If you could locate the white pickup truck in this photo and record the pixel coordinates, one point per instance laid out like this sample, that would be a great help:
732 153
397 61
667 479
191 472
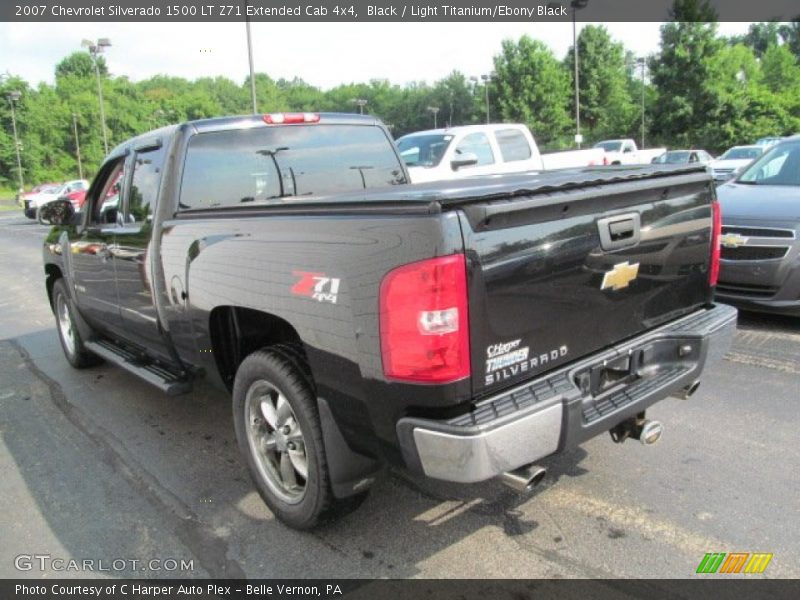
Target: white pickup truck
473 150
625 152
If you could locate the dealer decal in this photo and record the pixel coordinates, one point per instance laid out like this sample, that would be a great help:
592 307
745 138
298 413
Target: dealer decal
318 286
507 360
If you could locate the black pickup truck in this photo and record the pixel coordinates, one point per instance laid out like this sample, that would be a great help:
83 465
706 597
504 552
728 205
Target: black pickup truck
464 330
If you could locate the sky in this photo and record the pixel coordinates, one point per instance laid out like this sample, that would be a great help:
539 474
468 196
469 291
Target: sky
322 54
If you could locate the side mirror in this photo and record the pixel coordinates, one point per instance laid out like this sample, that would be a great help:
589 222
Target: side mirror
465 159
58 212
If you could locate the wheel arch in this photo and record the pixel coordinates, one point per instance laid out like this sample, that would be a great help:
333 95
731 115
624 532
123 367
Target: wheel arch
236 332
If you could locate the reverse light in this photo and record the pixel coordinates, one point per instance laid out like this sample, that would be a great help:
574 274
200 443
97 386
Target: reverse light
424 325
716 232
290 118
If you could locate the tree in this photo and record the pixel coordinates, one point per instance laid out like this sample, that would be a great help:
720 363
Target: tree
605 101
81 65
759 37
532 87
681 73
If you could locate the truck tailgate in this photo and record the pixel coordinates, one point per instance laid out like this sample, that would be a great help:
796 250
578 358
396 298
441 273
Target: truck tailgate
558 273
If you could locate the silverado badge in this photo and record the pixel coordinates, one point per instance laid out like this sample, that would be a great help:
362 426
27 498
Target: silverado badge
620 276
732 240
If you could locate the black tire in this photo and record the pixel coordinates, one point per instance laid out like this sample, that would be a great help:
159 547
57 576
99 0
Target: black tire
71 343
272 373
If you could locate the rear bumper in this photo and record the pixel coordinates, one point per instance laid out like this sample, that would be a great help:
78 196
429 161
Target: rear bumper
558 411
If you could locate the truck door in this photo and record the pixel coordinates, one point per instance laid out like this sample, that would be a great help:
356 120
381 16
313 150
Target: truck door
131 252
90 260
476 148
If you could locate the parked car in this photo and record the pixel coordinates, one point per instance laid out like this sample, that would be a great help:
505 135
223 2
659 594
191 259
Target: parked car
457 328
472 150
34 202
625 152
35 190
680 157
733 160
769 141
760 267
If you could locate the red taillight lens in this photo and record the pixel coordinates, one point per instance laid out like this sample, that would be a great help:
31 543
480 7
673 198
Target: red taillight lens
424 323
716 231
290 118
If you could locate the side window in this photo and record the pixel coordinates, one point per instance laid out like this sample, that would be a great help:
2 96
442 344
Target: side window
627 148
147 168
513 145
105 207
477 144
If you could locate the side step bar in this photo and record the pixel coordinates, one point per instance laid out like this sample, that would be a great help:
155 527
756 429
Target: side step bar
167 381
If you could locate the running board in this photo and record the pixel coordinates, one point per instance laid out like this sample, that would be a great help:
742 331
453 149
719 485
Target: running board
167 381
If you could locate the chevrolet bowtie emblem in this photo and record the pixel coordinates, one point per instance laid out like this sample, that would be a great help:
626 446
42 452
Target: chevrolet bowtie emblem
620 276
732 240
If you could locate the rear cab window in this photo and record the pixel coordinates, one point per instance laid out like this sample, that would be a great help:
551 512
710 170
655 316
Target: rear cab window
513 145
269 165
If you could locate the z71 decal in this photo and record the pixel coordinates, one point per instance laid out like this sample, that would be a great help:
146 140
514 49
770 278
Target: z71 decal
318 286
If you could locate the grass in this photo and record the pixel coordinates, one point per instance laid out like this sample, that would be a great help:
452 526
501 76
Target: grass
7 199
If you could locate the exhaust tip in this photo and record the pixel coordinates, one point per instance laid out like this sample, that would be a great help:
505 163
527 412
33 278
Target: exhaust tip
524 479
651 432
688 391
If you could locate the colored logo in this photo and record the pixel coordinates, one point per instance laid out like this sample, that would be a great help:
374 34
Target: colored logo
733 240
620 276
734 562
318 286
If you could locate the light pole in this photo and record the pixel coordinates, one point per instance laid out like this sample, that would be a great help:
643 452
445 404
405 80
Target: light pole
641 61
77 145
13 98
486 78
435 111
361 103
250 58
576 6
95 49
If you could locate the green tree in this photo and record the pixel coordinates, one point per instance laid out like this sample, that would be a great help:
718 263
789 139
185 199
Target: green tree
681 73
532 87
80 64
605 100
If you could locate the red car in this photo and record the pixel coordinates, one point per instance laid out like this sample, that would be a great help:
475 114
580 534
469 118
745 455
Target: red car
78 199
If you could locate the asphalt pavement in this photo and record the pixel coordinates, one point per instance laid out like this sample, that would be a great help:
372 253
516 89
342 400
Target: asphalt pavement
97 465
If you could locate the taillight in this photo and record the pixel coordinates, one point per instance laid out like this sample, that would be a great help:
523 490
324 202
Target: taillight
290 118
716 231
424 325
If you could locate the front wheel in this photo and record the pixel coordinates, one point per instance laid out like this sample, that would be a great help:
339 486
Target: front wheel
75 352
279 432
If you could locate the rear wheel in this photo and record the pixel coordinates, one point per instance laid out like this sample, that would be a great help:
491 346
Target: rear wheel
75 352
279 432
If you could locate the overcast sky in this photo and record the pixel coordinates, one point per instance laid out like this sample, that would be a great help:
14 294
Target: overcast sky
322 54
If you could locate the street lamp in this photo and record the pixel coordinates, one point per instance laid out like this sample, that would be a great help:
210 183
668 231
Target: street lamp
77 145
361 103
576 6
250 58
641 62
94 49
435 111
486 78
13 97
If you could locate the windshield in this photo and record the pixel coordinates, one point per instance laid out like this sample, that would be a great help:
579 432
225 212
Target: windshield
609 146
780 165
741 154
423 150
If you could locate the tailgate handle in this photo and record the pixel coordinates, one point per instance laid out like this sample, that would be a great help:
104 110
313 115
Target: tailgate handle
619 231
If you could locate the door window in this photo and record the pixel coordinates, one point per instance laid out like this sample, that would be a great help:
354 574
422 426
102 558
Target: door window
477 144
105 209
142 198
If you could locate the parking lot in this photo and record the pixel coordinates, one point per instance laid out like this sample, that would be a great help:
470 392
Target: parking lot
98 465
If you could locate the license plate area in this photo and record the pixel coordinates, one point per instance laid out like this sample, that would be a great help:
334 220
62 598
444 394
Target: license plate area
611 374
